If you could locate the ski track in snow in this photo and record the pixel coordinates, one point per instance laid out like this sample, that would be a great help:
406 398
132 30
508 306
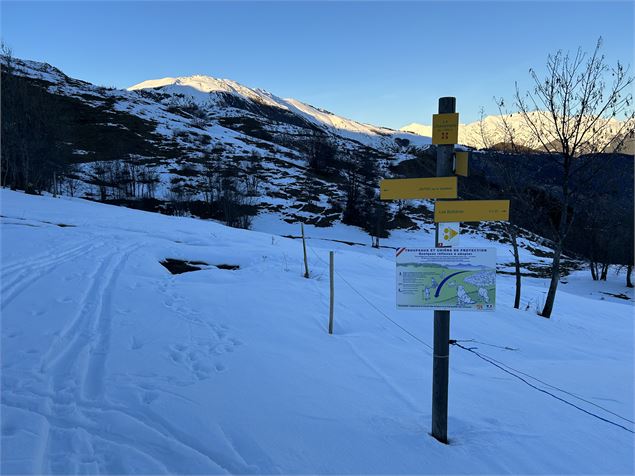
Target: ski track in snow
74 364
28 272
78 415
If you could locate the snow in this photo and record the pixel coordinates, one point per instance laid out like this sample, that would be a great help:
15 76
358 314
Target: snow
199 87
112 365
492 130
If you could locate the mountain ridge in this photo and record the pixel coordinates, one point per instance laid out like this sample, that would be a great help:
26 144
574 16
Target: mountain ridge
491 131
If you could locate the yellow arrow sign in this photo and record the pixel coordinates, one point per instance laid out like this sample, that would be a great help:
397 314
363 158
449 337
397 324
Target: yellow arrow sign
402 189
449 233
471 210
445 128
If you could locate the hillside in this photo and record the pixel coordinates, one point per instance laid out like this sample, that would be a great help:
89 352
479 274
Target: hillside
176 141
120 367
215 149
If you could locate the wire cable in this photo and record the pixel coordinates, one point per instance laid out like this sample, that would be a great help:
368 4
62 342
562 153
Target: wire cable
538 388
485 343
559 389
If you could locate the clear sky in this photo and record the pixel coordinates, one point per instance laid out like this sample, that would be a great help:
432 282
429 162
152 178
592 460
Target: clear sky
384 63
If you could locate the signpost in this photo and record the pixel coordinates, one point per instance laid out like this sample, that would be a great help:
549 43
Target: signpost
400 189
446 129
471 210
445 277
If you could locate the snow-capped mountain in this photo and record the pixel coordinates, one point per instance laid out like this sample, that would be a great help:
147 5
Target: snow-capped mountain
492 130
171 129
208 92
213 148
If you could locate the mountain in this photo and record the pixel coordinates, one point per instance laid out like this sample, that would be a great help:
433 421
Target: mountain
215 149
210 93
163 136
491 132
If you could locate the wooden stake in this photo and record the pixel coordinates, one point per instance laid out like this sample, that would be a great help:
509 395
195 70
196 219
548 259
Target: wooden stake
332 270
306 263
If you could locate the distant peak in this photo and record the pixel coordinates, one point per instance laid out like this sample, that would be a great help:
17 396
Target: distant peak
199 82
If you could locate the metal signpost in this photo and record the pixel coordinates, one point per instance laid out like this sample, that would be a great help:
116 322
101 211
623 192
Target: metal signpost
445 133
445 277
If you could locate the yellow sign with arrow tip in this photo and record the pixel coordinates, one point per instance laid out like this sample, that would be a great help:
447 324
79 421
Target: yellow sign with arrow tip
434 187
471 210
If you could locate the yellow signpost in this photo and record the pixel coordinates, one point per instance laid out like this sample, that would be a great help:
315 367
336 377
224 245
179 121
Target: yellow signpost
460 164
445 133
471 210
445 128
402 189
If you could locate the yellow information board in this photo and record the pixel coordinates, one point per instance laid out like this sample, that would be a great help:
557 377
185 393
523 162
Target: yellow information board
435 187
445 128
461 160
471 210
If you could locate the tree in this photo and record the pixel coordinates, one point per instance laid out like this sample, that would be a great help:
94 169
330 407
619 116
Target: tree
321 152
571 111
511 183
377 219
30 158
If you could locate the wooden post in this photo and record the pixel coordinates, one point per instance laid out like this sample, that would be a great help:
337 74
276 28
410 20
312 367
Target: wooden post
440 363
331 272
306 263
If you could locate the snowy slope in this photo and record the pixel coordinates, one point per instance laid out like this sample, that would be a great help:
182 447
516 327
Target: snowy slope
199 88
206 84
112 365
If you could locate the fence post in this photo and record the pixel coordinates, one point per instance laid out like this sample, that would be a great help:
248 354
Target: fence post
332 271
306 263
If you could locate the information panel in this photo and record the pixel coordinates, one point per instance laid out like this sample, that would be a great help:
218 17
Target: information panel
446 278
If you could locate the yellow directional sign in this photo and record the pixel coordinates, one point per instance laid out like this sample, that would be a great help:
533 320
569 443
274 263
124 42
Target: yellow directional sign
401 189
471 210
461 160
445 128
449 233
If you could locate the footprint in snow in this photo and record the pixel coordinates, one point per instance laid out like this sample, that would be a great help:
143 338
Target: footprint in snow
201 357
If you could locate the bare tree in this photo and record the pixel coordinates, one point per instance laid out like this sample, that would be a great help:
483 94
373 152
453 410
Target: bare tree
572 111
72 178
511 186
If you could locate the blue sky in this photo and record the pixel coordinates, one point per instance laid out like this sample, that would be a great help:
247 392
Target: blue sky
377 62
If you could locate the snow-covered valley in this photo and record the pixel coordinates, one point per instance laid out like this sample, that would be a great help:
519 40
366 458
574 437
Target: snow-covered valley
110 364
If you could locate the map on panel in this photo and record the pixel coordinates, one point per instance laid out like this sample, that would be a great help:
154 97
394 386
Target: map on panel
446 278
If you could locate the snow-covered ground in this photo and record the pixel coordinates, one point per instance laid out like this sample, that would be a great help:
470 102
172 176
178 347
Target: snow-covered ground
111 364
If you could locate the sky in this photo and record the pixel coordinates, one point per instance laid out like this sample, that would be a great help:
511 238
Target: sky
383 63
